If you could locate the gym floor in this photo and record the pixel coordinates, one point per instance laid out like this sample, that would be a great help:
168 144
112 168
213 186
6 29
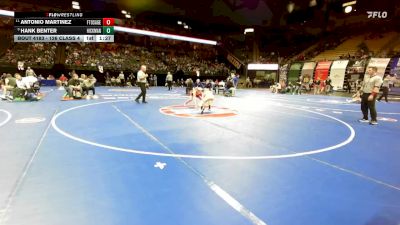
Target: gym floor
256 158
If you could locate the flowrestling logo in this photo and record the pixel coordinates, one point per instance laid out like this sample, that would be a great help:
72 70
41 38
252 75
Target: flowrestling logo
377 14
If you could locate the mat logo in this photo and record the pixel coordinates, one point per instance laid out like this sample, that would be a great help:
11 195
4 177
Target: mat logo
186 111
31 120
387 119
377 14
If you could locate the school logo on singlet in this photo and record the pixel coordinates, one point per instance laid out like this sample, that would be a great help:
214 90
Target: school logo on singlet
189 111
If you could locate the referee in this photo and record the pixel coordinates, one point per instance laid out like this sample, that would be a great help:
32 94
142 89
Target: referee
141 82
370 91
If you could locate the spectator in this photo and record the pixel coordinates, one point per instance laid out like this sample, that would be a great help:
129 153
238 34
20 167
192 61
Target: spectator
121 77
74 88
385 88
89 85
63 79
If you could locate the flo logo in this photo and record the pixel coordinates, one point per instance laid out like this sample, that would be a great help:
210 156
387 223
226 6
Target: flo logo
377 14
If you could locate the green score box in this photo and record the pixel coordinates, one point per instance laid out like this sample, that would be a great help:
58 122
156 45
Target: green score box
108 30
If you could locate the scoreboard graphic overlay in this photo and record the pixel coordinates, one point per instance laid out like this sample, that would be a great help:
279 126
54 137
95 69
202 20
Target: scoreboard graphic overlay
63 27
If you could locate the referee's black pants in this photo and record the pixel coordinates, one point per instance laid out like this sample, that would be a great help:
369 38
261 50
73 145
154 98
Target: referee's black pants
143 91
368 105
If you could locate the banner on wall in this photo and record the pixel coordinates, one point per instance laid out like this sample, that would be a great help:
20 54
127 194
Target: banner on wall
380 63
308 69
234 61
356 69
395 67
322 70
338 73
283 72
294 72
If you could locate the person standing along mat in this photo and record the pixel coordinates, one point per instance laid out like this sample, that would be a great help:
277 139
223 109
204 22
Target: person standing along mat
141 81
370 91
169 80
385 88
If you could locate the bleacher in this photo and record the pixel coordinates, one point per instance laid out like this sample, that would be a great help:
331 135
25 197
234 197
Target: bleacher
351 46
376 45
347 47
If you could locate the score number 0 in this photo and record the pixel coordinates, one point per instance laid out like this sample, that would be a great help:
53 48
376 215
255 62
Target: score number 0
108 21
108 24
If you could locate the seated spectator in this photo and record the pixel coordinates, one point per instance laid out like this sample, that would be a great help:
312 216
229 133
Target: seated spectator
229 88
316 85
276 88
208 84
297 87
64 80
74 88
198 84
290 87
322 86
328 87
82 78
221 86
118 81
2 79
189 85
89 84
306 82
108 81
248 83
29 72
10 84
113 81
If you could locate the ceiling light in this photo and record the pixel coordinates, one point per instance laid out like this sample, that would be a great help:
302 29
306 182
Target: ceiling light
290 7
6 13
313 3
349 3
123 12
186 27
263 66
128 15
248 30
76 7
180 22
163 35
348 9
75 3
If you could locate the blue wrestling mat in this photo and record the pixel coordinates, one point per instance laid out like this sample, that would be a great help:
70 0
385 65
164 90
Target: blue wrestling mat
256 158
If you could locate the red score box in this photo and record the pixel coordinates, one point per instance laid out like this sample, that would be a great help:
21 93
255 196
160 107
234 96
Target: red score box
108 21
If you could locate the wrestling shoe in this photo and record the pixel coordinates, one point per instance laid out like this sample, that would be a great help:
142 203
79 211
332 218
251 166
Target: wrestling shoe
373 123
